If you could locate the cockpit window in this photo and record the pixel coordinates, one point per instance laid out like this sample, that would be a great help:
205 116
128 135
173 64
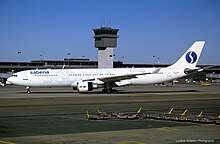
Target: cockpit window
14 75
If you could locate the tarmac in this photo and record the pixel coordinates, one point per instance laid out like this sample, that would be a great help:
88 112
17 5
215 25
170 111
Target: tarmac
57 115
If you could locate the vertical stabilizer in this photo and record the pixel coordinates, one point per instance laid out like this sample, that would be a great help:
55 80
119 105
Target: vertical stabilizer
191 57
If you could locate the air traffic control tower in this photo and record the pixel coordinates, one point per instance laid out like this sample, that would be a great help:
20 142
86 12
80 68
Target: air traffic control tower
105 41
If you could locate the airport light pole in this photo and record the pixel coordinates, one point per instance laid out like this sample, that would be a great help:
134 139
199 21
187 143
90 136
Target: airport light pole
19 53
68 58
122 58
158 60
153 62
41 58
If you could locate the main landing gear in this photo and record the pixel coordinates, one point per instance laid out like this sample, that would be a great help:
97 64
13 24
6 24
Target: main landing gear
28 90
109 91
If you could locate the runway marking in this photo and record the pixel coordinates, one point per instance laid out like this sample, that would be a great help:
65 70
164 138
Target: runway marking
168 129
4 142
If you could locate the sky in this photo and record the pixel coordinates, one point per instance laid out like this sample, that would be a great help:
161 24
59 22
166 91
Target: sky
50 29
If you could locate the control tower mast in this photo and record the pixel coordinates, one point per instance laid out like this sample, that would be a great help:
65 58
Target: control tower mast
105 41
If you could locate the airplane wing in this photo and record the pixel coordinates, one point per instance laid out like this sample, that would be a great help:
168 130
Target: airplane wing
121 77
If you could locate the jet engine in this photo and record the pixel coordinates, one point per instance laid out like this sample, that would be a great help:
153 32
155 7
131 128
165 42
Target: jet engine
86 86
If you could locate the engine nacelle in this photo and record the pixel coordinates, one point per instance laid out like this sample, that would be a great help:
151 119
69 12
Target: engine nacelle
86 86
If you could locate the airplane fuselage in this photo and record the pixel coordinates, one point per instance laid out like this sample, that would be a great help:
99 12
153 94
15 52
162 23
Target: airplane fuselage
70 77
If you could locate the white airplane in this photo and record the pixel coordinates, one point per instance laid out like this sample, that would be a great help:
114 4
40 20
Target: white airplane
85 80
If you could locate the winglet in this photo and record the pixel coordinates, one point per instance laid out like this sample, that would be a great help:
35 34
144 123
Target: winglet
156 71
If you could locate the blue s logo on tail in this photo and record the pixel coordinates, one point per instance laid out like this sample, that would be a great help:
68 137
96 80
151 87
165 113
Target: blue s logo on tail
191 57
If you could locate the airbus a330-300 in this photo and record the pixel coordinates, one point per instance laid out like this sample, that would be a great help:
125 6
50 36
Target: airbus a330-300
85 80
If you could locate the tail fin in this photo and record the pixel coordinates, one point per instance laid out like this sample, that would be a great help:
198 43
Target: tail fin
191 56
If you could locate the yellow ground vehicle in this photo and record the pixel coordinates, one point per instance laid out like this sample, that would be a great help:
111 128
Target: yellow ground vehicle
205 83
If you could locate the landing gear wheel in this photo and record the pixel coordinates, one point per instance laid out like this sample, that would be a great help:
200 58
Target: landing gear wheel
28 90
104 90
115 91
109 91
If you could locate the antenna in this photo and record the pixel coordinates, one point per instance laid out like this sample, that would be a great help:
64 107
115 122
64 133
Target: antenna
105 23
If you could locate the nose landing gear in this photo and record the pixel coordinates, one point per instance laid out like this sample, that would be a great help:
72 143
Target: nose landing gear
28 90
